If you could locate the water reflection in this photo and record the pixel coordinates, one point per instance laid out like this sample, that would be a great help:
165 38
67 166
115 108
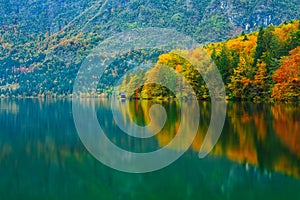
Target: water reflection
42 156
264 136
251 137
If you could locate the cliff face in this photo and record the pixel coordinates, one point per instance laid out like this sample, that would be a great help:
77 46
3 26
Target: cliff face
206 20
238 15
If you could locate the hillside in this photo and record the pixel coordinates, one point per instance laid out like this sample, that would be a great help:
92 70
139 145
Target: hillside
205 20
43 42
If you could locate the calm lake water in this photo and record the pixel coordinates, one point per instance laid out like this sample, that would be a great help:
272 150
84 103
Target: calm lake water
42 157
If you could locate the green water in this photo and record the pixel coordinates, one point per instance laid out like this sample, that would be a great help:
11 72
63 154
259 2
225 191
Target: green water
42 157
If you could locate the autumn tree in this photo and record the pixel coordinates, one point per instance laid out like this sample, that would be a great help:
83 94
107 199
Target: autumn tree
240 81
260 84
287 78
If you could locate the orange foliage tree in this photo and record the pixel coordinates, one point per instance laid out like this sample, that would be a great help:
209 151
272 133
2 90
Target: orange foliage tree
287 78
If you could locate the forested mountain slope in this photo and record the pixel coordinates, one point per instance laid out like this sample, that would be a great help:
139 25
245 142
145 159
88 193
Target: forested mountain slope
43 42
206 20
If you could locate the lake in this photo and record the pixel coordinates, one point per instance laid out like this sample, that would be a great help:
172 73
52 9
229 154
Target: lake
42 156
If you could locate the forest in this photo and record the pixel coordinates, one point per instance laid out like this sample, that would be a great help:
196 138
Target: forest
262 66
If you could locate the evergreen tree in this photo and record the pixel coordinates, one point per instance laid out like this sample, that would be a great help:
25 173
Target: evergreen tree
259 47
223 62
245 36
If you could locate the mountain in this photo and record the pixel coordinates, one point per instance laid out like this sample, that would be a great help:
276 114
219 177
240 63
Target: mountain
206 20
43 42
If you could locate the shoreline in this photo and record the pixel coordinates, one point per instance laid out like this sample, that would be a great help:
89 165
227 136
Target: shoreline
162 99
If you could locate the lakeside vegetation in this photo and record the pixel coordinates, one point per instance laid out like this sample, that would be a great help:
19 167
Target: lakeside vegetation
260 66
